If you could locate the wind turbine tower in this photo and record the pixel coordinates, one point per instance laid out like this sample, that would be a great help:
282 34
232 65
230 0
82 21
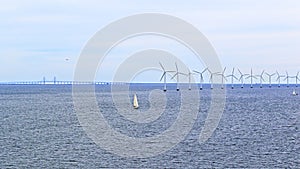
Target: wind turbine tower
164 76
251 76
232 77
201 77
270 78
242 78
54 80
297 78
261 78
189 76
223 77
278 78
287 79
211 78
177 76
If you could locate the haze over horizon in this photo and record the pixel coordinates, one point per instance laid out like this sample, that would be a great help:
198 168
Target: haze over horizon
44 38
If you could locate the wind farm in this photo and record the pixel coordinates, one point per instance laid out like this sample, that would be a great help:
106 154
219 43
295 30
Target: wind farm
206 77
273 78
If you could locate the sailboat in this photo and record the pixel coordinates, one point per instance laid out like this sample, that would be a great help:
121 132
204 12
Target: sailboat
295 93
135 102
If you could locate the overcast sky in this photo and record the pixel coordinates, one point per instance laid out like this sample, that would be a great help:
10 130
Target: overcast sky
36 37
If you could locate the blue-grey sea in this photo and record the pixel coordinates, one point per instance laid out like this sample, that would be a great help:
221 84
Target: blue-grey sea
259 128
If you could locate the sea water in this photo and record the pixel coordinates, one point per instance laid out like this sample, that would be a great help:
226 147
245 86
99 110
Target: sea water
259 128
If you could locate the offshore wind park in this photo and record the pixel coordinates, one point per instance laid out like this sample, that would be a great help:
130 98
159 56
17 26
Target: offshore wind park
232 79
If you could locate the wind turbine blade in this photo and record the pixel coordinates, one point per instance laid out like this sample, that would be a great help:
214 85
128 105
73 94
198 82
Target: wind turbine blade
196 71
209 71
176 74
162 66
224 70
176 66
211 77
204 70
240 72
164 74
232 71
185 74
224 78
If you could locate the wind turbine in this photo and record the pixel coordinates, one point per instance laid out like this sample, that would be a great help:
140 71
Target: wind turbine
223 77
201 76
232 77
242 78
278 78
54 80
261 78
211 78
189 74
177 76
297 78
270 78
251 76
164 75
287 79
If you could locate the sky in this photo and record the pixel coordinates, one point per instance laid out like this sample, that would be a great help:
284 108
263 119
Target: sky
36 37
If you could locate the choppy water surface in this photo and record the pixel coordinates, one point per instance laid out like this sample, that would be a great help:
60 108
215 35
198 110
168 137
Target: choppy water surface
40 129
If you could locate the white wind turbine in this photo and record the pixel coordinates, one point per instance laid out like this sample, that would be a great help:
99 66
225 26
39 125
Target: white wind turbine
201 77
223 77
177 76
297 78
211 78
164 76
242 78
189 74
232 78
261 78
287 79
270 78
279 77
251 76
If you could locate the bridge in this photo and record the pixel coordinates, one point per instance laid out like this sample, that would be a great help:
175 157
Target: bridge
60 83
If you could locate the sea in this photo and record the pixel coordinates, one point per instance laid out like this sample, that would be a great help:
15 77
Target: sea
259 128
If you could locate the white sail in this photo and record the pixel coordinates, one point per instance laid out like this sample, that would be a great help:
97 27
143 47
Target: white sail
135 102
295 93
